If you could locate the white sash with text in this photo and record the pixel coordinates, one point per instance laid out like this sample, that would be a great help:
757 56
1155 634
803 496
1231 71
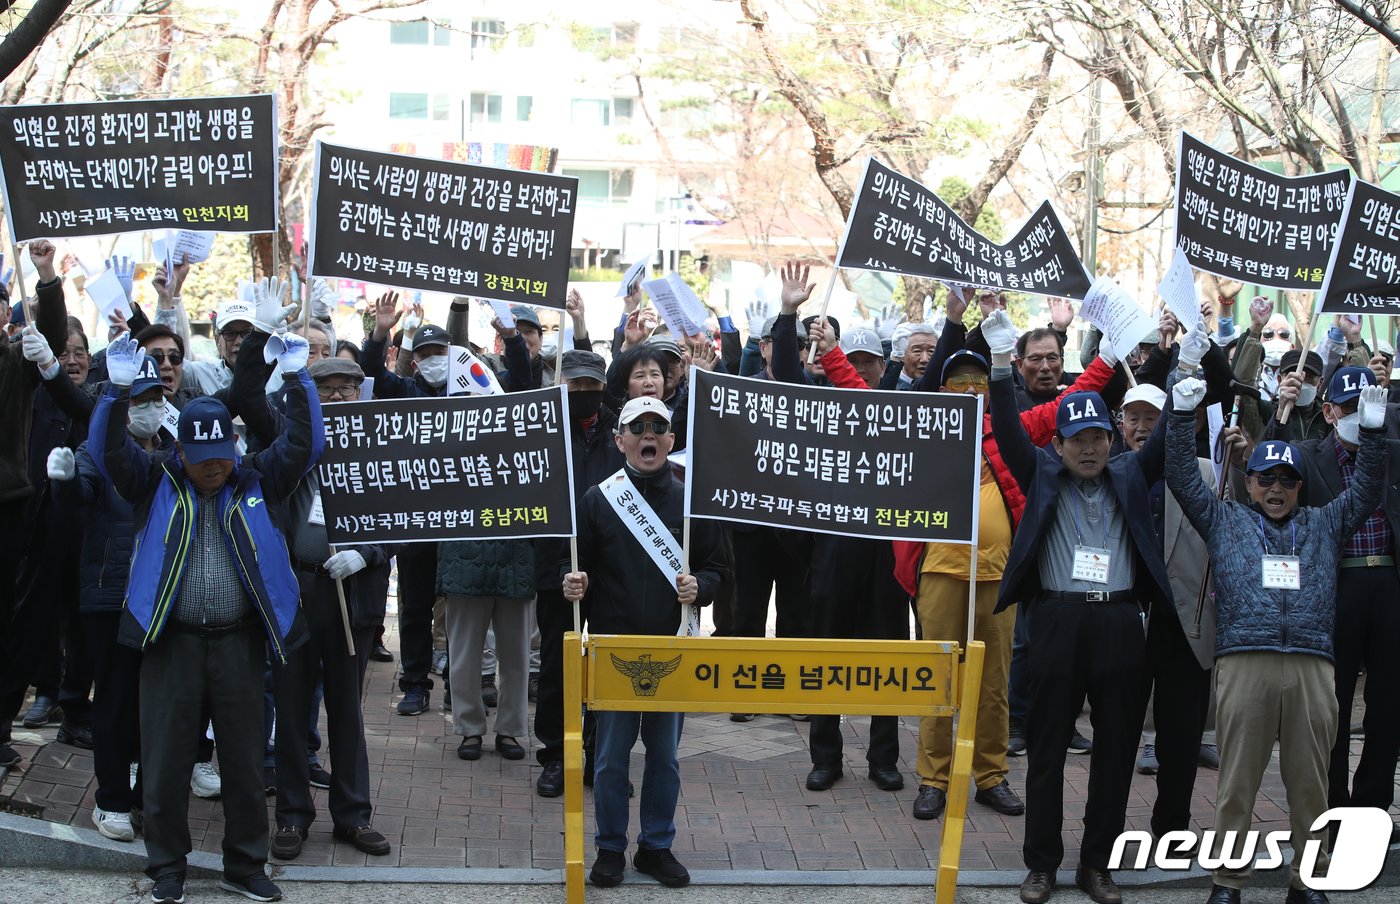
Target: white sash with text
649 531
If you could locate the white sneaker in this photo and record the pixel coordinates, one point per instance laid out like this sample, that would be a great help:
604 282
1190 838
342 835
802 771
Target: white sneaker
205 781
116 826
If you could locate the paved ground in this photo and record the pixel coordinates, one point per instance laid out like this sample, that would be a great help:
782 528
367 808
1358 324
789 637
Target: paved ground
743 805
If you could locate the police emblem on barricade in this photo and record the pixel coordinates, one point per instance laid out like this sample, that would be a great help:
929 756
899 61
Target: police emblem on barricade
646 673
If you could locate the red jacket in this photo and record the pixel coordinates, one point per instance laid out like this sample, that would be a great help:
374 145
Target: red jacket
1039 423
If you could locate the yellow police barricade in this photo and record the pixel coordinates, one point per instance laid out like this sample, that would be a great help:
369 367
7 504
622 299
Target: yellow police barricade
775 675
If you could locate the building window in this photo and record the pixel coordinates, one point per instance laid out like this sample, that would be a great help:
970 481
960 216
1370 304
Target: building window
442 107
442 33
590 112
524 106
622 111
408 32
603 188
408 106
486 108
624 34
487 36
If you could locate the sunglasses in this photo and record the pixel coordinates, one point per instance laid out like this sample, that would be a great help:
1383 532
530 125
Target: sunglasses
1268 480
160 356
659 428
967 381
1282 334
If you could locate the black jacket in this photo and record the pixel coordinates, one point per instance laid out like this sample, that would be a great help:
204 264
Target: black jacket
1322 479
1038 473
594 461
627 593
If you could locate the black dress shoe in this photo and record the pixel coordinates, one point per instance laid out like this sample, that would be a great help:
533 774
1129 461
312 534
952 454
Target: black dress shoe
1219 894
551 780
1098 885
1304 896
43 711
1002 799
509 748
821 778
79 736
1036 887
364 838
608 868
887 778
380 653
930 802
470 748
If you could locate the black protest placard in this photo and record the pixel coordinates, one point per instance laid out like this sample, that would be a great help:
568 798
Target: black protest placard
460 468
863 463
1244 223
416 223
899 226
1363 275
206 163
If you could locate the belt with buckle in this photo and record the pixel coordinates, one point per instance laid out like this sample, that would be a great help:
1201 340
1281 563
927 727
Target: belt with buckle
1090 596
214 630
313 567
1368 562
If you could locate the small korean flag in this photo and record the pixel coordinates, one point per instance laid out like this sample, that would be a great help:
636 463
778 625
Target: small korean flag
469 375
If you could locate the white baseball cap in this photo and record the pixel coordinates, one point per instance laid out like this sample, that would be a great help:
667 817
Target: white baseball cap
231 311
640 406
1145 392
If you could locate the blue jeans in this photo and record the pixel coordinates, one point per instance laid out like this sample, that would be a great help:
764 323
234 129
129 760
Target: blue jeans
661 778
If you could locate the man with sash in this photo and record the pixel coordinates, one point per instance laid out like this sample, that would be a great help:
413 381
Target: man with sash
630 568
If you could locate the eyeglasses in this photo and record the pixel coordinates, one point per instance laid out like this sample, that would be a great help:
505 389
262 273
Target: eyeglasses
967 381
160 356
659 428
235 335
344 391
142 406
1268 480
1281 333
1037 360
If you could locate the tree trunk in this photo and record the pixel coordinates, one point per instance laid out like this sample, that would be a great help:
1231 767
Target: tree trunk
30 33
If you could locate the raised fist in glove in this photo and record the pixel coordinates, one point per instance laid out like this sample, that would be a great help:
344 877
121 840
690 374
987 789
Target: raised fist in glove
36 349
344 563
1194 346
289 350
124 359
61 465
999 333
1188 393
890 316
1372 407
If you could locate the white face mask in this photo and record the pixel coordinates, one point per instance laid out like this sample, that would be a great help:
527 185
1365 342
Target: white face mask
1307 395
144 422
434 370
1349 429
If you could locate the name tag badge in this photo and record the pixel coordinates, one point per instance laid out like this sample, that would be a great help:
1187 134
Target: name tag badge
1281 573
317 514
1091 564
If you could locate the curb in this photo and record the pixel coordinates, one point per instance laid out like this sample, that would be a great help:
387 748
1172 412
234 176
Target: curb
34 843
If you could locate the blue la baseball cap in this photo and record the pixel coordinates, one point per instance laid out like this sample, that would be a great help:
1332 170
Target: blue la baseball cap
147 378
1080 411
206 431
1348 382
961 357
1274 453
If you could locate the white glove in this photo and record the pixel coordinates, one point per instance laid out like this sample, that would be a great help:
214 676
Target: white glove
411 323
36 349
1188 393
125 269
294 352
1106 352
1194 346
270 309
345 563
757 312
323 300
124 359
890 316
999 333
62 465
899 341
1372 407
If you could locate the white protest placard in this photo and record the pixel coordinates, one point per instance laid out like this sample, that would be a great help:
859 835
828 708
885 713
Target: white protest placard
634 274
107 293
468 375
503 314
1111 309
1178 290
171 421
676 303
194 247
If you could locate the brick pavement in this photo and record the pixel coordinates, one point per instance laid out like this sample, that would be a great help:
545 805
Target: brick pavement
743 804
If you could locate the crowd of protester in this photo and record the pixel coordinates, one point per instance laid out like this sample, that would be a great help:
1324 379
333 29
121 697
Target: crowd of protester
170 595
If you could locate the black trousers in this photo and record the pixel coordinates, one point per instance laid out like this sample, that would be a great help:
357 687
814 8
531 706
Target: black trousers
323 658
1367 625
417 590
185 676
1076 650
116 711
555 617
854 595
761 560
1180 702
23 628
